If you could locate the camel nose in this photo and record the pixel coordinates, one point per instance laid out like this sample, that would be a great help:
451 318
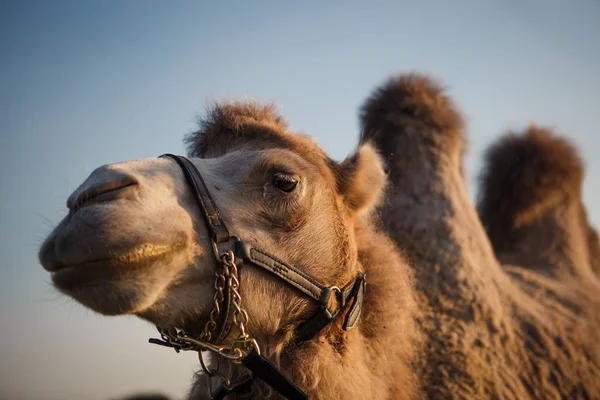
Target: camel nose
104 184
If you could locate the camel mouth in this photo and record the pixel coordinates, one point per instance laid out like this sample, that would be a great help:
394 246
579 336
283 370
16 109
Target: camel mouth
125 266
136 255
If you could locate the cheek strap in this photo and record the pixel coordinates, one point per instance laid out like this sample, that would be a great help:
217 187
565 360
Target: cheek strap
352 292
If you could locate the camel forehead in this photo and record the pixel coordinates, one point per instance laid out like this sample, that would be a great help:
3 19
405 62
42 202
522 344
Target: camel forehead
293 154
251 140
259 164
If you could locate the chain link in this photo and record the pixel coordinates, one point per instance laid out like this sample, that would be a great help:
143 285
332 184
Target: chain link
218 298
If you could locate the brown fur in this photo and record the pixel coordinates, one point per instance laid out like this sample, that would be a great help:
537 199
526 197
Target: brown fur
491 332
237 120
541 221
529 173
532 181
408 100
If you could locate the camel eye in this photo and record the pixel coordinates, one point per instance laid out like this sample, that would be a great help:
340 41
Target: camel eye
284 182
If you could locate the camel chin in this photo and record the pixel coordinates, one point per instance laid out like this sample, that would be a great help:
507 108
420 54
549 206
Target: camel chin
113 286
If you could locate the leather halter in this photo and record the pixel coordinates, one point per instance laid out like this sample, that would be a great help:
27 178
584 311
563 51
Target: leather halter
245 254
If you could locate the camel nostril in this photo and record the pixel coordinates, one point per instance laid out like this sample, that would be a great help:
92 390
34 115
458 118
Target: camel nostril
109 186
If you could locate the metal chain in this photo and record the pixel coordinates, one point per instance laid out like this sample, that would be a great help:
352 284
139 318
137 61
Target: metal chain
179 340
240 316
220 281
244 343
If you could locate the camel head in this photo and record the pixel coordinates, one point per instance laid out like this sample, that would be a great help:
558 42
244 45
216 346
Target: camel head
135 242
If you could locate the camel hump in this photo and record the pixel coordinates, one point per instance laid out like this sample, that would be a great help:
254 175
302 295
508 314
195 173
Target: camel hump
530 201
525 174
411 110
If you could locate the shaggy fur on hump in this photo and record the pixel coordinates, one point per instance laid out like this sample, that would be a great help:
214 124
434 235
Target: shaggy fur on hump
492 331
524 176
418 104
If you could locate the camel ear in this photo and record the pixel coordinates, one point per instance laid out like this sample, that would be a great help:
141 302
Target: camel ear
361 179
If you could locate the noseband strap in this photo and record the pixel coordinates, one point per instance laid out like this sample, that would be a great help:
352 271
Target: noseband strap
329 309
215 224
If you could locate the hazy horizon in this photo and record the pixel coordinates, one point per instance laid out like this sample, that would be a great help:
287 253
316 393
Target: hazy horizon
87 83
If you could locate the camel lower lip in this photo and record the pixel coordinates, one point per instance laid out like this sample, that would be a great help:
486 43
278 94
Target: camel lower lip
136 255
68 276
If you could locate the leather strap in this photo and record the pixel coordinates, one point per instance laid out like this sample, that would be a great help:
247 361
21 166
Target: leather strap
261 368
214 222
267 372
284 271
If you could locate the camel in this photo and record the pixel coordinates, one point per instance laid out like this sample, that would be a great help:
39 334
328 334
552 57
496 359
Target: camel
494 301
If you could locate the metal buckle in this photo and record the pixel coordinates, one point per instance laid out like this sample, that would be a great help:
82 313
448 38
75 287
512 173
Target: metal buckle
333 290
218 253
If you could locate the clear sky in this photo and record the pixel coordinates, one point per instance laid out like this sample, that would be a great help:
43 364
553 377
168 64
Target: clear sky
86 83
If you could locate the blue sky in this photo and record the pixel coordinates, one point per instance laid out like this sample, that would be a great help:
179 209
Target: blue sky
84 83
